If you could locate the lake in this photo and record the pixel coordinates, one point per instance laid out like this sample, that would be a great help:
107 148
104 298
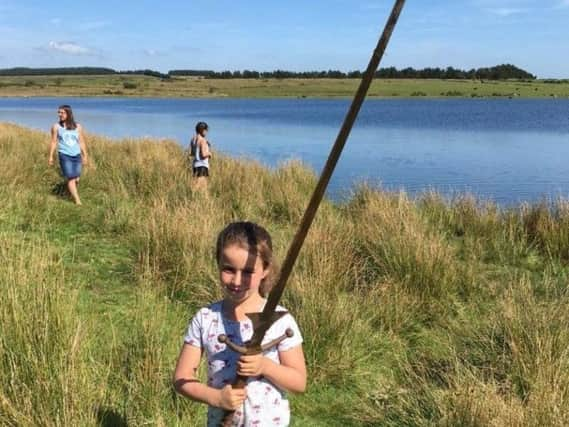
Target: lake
500 149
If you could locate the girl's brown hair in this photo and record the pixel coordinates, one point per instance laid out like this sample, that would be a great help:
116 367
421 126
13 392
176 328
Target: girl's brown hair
69 121
256 240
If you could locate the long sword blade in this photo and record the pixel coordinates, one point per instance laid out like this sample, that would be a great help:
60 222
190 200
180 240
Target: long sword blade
310 213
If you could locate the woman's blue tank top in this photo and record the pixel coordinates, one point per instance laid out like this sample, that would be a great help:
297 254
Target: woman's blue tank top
68 141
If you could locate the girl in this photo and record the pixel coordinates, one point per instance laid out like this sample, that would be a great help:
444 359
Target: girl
200 150
68 137
246 269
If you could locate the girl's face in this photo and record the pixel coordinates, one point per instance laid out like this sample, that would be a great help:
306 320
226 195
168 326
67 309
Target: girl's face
62 114
241 273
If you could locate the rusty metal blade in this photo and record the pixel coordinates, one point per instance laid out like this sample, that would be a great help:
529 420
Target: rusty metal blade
318 194
266 318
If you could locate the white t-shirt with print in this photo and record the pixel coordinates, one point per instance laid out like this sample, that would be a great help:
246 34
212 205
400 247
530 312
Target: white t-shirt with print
266 405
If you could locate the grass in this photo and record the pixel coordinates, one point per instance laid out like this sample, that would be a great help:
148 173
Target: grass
415 312
144 86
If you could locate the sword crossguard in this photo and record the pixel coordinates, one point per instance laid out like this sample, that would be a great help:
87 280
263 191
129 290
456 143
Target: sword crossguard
245 350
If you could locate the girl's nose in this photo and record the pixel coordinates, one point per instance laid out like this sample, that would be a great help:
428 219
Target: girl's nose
237 278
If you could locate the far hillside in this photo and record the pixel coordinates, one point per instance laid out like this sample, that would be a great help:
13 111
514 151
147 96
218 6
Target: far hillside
135 85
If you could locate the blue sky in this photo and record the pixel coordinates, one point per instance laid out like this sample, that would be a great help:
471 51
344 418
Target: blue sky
291 34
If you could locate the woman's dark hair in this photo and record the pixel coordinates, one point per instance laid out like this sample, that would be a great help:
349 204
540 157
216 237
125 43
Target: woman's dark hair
256 240
69 121
200 127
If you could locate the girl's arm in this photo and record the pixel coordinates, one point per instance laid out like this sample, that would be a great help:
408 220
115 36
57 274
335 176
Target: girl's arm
204 148
82 144
186 383
52 144
289 375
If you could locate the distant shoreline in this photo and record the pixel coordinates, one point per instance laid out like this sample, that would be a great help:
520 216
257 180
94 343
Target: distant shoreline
137 86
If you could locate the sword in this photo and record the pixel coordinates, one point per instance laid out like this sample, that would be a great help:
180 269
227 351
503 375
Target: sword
263 321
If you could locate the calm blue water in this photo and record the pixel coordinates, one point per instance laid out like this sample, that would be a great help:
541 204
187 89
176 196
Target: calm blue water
505 150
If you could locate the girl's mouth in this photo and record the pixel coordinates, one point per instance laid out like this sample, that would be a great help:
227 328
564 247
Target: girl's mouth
236 290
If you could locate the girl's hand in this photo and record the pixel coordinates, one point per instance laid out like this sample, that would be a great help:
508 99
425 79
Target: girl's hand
50 161
230 398
252 366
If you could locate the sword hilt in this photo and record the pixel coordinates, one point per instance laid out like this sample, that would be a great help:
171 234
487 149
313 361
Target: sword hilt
240 381
247 350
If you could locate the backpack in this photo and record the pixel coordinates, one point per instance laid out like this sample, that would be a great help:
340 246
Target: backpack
193 147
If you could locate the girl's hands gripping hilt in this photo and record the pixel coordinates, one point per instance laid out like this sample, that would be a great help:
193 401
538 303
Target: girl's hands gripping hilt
231 398
250 350
241 381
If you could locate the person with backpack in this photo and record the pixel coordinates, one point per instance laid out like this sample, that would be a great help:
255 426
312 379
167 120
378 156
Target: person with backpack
201 154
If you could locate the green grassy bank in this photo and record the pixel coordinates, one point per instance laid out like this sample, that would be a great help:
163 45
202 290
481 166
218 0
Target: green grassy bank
144 86
414 312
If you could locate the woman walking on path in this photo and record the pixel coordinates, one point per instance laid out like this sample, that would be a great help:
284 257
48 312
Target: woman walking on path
67 137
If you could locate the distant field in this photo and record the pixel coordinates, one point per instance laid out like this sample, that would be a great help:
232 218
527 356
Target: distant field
143 86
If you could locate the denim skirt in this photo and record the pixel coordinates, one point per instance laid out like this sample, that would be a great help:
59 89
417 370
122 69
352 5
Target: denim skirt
70 165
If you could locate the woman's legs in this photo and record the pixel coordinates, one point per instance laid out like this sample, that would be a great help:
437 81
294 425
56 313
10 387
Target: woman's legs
71 169
201 177
201 183
72 187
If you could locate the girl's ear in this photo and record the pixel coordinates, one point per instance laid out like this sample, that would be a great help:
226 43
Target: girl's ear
266 272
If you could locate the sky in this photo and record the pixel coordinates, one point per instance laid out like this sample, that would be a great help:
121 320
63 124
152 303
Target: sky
292 34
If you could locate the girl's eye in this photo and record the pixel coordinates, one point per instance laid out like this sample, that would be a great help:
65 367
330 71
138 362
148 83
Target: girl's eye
228 270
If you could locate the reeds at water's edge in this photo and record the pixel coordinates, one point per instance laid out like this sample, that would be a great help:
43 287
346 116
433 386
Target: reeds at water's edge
414 311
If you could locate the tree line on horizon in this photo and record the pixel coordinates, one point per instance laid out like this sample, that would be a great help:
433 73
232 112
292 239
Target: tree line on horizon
72 71
498 72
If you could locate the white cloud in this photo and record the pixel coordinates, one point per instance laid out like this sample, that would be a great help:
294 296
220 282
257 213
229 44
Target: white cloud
69 48
373 6
154 53
507 11
85 26
94 25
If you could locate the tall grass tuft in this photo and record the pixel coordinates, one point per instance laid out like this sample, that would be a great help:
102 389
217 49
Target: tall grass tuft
44 376
548 228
